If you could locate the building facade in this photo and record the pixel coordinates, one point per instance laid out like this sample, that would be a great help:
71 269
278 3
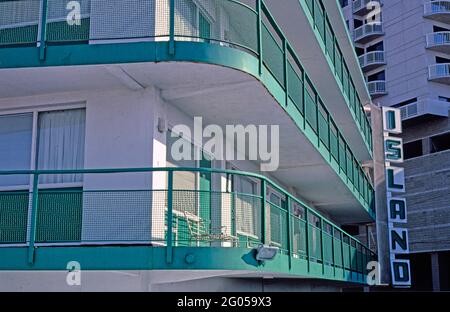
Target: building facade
95 97
406 62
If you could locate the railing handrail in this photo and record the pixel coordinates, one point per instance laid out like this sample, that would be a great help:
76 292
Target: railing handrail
432 38
37 173
360 4
366 60
430 6
379 86
444 67
367 29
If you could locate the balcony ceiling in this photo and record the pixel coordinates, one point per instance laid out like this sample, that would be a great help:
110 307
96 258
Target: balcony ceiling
222 96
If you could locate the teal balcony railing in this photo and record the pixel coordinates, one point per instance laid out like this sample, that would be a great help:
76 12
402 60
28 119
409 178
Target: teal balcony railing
193 207
329 39
226 23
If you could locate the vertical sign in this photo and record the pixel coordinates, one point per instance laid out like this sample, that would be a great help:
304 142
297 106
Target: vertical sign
396 204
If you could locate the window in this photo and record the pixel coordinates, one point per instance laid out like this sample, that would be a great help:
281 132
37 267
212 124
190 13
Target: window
59 145
440 143
181 180
247 205
439 29
277 218
344 3
376 47
298 211
60 140
377 77
15 147
351 229
413 149
410 101
442 60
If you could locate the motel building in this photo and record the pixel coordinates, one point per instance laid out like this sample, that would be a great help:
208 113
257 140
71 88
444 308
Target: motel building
92 96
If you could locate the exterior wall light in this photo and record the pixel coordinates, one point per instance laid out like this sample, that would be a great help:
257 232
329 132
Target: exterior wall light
266 253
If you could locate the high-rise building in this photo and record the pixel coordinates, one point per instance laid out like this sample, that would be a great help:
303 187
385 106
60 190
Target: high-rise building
106 177
406 62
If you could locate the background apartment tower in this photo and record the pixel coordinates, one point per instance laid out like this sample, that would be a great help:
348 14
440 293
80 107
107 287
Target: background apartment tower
406 63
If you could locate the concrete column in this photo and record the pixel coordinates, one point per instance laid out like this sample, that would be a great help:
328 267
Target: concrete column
381 197
435 271
426 146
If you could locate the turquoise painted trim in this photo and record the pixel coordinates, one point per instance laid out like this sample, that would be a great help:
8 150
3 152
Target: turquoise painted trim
43 26
71 55
33 221
154 258
169 255
320 41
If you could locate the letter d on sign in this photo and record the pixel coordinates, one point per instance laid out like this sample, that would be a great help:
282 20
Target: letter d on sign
401 272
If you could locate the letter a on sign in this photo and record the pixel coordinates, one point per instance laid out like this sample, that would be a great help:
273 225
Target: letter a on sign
397 210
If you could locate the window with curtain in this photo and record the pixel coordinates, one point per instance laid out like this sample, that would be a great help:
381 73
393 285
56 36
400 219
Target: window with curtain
15 147
60 140
246 205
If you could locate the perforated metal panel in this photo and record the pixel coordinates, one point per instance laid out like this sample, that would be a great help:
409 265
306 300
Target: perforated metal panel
19 21
13 217
125 19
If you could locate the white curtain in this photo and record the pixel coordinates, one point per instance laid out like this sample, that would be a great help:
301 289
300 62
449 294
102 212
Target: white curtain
61 144
246 205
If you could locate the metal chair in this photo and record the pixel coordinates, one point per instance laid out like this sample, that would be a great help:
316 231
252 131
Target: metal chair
200 230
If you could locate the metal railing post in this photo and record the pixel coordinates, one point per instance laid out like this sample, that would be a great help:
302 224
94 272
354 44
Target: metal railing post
332 251
322 245
289 231
285 68
259 35
308 258
33 220
169 254
342 254
263 211
43 29
172 27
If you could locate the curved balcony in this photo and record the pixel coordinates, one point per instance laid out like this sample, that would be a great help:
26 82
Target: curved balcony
377 88
183 227
254 58
157 33
439 73
360 6
425 107
439 41
368 32
372 60
438 10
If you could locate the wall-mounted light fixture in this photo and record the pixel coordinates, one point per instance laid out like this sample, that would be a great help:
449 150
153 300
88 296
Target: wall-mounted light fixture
266 253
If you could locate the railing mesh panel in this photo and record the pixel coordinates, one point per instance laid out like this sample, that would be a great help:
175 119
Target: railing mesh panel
19 22
13 217
216 21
